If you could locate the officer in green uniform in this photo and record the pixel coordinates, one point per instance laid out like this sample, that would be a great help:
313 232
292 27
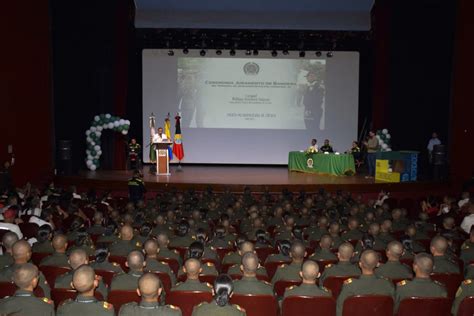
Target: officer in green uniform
183 238
393 268
386 231
134 150
109 235
291 272
43 244
378 243
399 222
58 258
367 284
236 257
125 244
24 302
421 285
442 263
283 254
249 284
97 228
467 249
143 233
220 305
316 232
353 233
149 289
21 252
85 282
161 226
221 238
324 251
8 240
309 274
192 268
129 281
466 289
344 267
102 262
152 262
165 252
196 251
136 187
334 230
77 258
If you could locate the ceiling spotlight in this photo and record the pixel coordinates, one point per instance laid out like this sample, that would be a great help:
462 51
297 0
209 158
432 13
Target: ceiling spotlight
248 52
329 54
218 52
170 53
255 52
285 52
202 52
232 52
318 54
302 53
185 51
274 53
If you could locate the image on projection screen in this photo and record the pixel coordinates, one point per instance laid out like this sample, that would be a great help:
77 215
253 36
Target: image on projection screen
251 94
251 109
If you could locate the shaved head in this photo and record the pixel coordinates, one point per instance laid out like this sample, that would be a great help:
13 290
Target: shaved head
369 260
26 275
8 240
135 260
423 264
149 286
151 247
83 279
77 258
163 239
326 242
59 243
250 263
310 271
126 232
21 251
439 245
297 251
345 251
395 249
192 268
245 247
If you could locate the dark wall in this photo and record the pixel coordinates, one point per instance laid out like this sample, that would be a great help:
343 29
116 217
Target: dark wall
25 88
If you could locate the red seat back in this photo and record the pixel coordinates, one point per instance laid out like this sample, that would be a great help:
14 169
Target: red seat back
165 280
119 297
172 263
51 273
7 289
264 252
221 252
368 305
186 300
225 267
107 276
60 295
271 267
280 286
209 260
323 263
256 305
334 284
424 306
307 305
120 260
466 308
451 281
36 257
182 251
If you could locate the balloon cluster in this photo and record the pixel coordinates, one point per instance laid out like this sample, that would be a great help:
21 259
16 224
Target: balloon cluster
384 139
93 134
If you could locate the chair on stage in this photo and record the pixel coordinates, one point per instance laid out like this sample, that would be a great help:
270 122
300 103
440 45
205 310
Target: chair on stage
368 305
281 286
256 305
271 267
119 297
51 273
466 308
186 300
451 281
307 305
425 306
334 284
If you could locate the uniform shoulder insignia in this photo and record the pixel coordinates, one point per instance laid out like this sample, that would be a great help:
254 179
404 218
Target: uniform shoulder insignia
324 289
267 283
402 283
291 287
209 264
115 264
348 281
47 300
209 285
467 281
239 308
283 265
464 247
213 248
200 304
229 253
173 307
107 305
138 244
69 300
328 265
176 251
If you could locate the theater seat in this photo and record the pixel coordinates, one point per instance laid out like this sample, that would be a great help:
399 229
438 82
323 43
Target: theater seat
451 281
368 305
60 295
203 278
181 250
165 280
323 263
221 252
36 257
51 273
119 297
256 305
209 260
306 306
334 284
186 300
424 306
172 263
264 252
225 267
466 308
280 286
120 260
107 276
271 267
7 289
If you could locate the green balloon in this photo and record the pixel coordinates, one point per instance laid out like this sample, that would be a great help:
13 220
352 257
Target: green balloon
95 161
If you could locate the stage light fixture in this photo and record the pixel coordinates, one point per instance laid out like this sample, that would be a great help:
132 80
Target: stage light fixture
232 52
170 53
218 52
248 52
318 54
202 52
274 53
285 52
302 53
185 51
329 54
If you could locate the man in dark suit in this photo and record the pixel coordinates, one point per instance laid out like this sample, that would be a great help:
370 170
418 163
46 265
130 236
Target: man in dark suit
313 100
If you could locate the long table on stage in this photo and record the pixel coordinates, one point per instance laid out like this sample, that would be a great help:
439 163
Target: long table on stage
342 164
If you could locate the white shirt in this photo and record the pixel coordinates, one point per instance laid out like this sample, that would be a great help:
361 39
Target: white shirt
432 143
467 222
38 221
157 138
315 147
13 228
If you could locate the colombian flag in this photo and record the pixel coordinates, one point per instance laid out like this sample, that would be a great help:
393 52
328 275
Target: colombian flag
168 135
178 142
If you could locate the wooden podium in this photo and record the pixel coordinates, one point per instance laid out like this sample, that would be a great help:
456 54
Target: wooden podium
162 159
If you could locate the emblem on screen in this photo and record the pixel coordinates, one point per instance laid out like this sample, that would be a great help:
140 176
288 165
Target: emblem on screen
251 69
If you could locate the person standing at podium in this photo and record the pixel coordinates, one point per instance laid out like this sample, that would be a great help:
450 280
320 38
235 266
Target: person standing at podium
159 136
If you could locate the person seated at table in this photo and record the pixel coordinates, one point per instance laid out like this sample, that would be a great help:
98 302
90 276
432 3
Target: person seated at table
314 147
326 148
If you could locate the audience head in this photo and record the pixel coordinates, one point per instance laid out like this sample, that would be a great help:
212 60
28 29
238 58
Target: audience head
394 250
246 246
26 276
44 233
183 228
192 268
149 287
163 240
8 240
84 280
78 257
21 252
297 251
250 264
126 232
101 253
135 261
325 242
196 250
223 289
369 260
345 252
438 246
423 265
284 247
151 248
309 272
60 243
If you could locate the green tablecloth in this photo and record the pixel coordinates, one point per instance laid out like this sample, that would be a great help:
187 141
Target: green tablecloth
342 164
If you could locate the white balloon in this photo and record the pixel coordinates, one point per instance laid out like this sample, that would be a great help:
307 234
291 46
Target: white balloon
108 115
127 122
125 132
388 136
88 132
105 125
385 131
121 121
384 146
93 129
97 147
88 152
116 123
99 152
378 137
98 133
93 167
100 128
388 149
89 157
89 162
110 125
92 143
96 118
88 139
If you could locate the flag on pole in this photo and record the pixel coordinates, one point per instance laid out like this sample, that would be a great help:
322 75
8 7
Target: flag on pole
178 141
168 135
152 146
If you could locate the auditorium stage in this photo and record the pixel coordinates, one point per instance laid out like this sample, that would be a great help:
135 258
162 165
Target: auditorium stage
236 178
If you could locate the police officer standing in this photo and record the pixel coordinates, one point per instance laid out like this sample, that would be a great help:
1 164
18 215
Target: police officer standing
136 187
